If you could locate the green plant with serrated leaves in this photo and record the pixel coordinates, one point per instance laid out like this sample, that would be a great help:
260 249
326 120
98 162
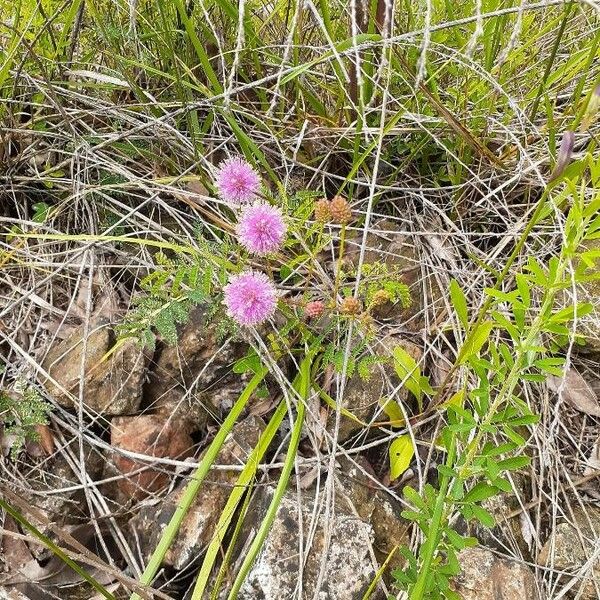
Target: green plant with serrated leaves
21 412
170 291
377 277
356 359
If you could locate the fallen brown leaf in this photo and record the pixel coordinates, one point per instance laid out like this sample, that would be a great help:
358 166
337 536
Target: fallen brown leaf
46 438
576 391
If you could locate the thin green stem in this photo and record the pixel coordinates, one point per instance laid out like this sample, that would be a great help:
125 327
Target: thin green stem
338 270
240 488
550 61
124 239
17 516
430 545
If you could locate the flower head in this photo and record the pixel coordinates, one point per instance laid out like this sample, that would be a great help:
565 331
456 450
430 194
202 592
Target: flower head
350 306
314 309
237 182
340 210
322 211
261 228
381 297
250 297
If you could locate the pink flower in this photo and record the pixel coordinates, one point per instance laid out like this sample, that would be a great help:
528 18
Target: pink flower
237 182
261 228
250 297
314 309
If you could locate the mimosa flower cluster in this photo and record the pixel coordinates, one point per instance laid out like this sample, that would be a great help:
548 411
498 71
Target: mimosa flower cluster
251 296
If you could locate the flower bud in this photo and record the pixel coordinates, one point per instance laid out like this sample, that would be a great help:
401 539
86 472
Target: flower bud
563 157
322 211
381 297
314 309
340 210
350 306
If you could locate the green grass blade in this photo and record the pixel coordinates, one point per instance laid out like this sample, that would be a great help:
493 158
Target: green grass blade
240 488
304 388
17 516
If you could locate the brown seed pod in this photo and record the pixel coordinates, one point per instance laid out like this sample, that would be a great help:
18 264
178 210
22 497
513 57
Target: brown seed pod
340 210
322 211
350 306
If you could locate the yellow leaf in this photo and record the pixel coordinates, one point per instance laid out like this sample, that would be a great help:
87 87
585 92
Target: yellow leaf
457 399
401 453
392 409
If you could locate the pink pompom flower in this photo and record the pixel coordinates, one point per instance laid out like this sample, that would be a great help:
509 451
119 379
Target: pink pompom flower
250 297
261 228
237 182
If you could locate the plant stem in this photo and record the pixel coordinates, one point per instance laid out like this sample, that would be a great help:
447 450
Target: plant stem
338 270
17 516
265 527
490 299
240 488
430 545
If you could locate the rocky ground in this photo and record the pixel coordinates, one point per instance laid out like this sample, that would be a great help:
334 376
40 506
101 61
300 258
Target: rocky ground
109 486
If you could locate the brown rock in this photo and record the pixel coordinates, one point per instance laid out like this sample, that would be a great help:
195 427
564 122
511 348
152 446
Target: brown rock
152 435
382 511
569 549
486 576
12 594
362 397
63 362
111 386
198 526
193 377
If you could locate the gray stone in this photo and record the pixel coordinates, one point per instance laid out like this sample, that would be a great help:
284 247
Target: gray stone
111 385
277 572
376 507
569 549
485 576
365 522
